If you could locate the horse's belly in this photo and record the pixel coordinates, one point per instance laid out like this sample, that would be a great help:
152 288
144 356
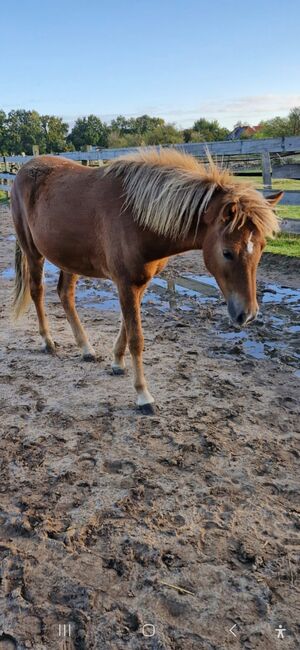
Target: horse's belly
80 253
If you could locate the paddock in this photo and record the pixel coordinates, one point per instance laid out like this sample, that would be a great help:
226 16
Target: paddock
110 520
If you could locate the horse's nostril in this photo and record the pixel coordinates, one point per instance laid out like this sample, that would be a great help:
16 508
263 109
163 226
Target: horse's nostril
241 318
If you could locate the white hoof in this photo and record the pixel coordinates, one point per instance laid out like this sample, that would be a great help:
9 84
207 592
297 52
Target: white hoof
144 398
88 349
88 353
48 346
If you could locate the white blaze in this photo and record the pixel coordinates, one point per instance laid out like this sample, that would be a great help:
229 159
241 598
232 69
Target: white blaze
250 245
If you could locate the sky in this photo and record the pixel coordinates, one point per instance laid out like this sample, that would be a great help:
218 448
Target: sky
177 59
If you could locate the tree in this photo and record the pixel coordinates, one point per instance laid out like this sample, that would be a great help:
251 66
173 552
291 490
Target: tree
145 123
24 129
89 130
239 124
55 133
209 130
275 128
121 125
135 125
294 121
118 140
3 132
163 134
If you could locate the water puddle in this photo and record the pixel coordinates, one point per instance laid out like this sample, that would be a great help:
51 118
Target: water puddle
275 334
275 294
7 238
7 274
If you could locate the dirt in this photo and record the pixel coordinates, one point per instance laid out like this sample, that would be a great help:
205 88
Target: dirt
187 521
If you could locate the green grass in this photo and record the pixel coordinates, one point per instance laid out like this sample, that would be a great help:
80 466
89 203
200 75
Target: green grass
3 197
277 183
288 211
285 244
285 184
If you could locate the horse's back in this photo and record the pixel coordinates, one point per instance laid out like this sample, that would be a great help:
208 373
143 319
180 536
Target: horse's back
76 218
40 172
63 207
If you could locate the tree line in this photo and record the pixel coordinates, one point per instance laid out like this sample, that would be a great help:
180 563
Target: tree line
21 129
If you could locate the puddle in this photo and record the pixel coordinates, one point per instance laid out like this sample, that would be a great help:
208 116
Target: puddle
7 274
275 334
7 238
275 294
254 349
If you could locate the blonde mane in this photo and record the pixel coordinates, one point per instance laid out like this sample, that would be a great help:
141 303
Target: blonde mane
169 191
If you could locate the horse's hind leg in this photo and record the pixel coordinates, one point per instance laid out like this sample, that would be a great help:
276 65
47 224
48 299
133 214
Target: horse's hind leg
36 266
66 291
118 364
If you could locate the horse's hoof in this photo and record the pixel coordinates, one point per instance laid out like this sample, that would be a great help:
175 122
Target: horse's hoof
48 349
146 409
88 356
118 371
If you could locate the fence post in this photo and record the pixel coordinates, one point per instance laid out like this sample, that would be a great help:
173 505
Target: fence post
5 180
88 147
266 170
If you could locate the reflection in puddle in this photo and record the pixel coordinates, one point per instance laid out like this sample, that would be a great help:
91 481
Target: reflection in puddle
275 294
8 238
254 349
275 334
8 274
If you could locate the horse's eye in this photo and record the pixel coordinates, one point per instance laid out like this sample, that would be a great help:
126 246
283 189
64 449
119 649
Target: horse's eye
228 255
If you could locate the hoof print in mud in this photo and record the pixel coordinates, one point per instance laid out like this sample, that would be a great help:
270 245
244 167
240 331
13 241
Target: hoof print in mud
90 358
7 642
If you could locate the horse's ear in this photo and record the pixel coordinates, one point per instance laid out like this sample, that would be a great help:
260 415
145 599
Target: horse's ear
274 198
229 212
227 215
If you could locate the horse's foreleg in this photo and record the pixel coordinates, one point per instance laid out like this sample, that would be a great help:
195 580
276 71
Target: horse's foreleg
130 298
37 294
66 291
118 364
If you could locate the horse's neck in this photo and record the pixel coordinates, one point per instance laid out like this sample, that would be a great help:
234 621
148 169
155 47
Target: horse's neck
158 248
191 242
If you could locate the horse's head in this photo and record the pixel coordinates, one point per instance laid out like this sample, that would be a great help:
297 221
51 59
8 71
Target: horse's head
237 226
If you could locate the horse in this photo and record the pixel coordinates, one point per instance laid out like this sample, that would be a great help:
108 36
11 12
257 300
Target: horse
123 221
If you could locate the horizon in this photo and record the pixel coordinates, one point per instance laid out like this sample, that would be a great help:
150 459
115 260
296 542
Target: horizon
125 60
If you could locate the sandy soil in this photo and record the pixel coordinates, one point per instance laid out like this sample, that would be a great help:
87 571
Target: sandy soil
188 520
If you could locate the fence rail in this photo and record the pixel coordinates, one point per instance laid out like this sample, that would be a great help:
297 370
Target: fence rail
289 145
262 148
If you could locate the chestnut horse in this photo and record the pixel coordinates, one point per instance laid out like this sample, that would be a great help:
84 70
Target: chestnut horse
123 222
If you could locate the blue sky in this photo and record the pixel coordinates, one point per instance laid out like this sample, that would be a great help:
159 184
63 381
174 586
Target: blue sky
179 59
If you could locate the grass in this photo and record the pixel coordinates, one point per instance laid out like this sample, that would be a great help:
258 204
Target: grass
277 183
284 244
3 197
288 211
285 184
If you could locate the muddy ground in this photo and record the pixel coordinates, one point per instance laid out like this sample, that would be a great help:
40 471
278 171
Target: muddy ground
188 520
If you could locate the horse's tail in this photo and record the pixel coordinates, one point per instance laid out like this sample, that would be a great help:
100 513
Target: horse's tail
22 296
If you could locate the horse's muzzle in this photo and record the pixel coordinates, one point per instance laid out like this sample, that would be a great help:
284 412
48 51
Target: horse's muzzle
239 315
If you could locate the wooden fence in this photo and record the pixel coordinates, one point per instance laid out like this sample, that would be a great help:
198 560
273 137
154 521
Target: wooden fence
219 150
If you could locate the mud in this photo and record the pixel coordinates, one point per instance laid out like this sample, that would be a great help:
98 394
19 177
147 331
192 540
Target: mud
187 521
